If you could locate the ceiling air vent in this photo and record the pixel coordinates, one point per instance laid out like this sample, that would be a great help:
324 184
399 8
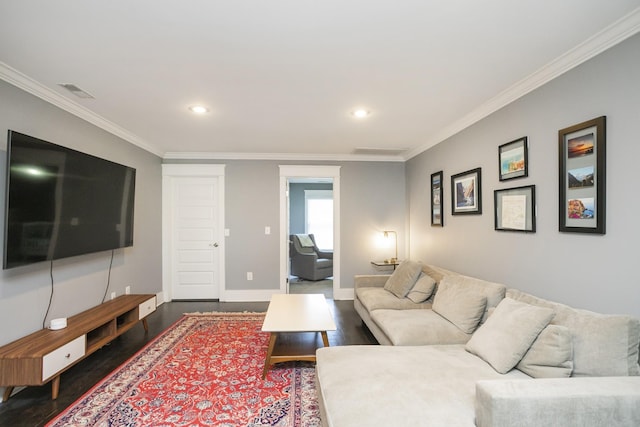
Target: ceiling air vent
379 151
76 90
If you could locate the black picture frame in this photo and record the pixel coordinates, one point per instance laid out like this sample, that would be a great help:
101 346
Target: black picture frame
513 159
466 192
437 213
582 150
515 209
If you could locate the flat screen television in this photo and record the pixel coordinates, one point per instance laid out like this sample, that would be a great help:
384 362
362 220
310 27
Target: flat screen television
61 203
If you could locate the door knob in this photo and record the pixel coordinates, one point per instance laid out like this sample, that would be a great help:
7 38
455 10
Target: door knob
215 245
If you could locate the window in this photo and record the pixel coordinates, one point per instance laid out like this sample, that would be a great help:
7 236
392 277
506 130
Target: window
319 217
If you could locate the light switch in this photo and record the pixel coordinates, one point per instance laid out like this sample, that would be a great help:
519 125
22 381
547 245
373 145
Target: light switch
226 232
267 230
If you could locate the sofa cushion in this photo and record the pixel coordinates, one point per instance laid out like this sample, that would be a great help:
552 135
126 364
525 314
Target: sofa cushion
603 345
403 278
550 355
417 327
507 335
432 385
460 304
435 272
494 292
379 298
423 289
559 402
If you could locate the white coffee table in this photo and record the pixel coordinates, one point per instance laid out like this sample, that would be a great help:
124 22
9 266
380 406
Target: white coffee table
289 313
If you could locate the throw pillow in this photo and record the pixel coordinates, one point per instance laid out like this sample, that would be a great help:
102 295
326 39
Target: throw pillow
550 355
460 304
506 336
437 276
422 290
305 240
403 278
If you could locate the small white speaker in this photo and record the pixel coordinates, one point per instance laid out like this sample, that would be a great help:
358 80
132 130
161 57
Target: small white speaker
56 324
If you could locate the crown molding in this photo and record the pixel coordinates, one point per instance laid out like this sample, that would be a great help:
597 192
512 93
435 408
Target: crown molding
615 33
176 155
27 84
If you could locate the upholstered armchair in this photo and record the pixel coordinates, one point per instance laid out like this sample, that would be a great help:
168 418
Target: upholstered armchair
307 261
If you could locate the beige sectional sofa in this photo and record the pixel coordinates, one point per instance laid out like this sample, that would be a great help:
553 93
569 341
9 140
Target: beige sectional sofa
477 353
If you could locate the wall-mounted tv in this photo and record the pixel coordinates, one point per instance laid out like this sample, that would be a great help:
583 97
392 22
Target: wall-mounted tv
61 203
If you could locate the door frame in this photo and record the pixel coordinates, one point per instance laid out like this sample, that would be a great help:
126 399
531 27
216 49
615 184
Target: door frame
310 171
169 173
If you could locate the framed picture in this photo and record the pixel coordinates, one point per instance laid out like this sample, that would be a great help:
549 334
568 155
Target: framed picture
466 192
513 159
515 209
436 199
582 153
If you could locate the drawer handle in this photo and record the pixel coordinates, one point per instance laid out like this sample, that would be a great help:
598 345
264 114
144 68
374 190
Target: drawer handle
68 355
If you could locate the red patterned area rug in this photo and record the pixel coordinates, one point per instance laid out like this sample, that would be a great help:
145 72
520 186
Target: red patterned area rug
205 370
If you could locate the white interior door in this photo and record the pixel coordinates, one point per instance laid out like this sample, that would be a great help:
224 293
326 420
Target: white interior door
194 228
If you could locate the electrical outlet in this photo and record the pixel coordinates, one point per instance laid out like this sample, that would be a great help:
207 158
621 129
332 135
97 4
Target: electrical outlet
127 290
249 275
113 295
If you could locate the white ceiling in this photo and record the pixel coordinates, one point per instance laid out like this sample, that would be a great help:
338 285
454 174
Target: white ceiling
282 76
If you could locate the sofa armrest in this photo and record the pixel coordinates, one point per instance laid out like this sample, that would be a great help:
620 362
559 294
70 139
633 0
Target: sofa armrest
584 402
370 280
325 254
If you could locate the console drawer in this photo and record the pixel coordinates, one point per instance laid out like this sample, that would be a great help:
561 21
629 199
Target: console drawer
146 308
60 358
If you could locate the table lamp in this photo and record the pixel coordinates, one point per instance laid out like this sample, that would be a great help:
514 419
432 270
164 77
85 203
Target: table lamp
386 235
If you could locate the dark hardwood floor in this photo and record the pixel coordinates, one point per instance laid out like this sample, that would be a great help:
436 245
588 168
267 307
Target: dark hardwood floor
33 406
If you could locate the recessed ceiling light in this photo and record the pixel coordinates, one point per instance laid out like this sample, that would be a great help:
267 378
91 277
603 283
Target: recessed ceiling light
198 109
361 113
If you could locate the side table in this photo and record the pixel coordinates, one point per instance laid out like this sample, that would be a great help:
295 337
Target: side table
386 263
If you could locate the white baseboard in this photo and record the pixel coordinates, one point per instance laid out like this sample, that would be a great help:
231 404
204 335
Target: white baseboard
249 295
265 295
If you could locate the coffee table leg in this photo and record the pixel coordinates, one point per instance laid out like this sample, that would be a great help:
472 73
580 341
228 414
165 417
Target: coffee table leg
325 339
267 362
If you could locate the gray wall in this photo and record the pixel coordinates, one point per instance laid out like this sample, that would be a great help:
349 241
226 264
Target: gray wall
587 271
297 204
373 198
79 282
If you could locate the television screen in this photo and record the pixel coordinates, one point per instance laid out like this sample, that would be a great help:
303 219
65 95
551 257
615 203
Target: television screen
61 202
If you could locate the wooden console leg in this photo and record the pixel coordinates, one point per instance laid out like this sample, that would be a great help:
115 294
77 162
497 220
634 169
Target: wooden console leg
55 387
145 325
267 362
7 393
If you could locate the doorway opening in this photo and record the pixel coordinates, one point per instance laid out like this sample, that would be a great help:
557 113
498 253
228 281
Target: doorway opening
311 236
309 210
